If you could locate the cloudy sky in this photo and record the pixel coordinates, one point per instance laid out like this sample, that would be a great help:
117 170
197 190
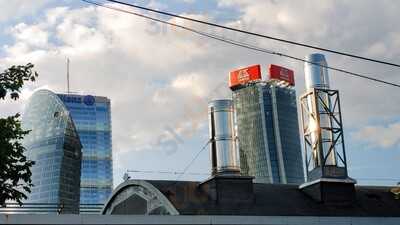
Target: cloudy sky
160 79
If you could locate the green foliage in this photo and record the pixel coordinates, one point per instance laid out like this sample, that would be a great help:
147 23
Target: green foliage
13 79
15 173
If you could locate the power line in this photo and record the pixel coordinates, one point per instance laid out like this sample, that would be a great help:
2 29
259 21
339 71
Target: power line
191 162
187 166
244 45
256 34
164 172
209 174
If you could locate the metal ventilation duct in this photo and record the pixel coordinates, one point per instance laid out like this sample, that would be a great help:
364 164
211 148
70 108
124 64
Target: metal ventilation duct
326 165
224 152
316 76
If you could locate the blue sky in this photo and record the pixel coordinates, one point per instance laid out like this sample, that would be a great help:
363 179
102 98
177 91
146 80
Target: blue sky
159 79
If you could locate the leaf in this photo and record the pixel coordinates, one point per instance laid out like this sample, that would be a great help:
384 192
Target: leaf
3 92
14 96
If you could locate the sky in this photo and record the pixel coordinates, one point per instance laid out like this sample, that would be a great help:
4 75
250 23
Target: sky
160 78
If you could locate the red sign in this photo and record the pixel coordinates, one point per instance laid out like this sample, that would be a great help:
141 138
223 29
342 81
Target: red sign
281 73
244 75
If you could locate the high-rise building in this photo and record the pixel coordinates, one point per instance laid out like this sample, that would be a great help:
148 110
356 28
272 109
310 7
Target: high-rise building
92 118
267 125
54 145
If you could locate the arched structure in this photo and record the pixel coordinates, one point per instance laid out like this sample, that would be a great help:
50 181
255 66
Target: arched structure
138 197
54 145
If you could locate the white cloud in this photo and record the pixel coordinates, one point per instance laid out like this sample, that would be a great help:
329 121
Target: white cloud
54 14
193 83
189 1
377 49
380 136
156 5
286 18
33 35
17 8
152 43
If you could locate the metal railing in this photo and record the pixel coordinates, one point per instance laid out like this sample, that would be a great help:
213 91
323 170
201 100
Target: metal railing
49 208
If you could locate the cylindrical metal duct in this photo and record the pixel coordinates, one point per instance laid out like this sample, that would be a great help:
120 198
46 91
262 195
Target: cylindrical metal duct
316 76
224 153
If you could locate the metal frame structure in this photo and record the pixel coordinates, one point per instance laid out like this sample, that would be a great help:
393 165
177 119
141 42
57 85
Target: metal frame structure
323 102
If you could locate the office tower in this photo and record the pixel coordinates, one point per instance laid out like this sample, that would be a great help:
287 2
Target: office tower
92 118
54 145
267 125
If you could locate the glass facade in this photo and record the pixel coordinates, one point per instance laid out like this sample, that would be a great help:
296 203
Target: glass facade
268 131
54 145
288 125
92 118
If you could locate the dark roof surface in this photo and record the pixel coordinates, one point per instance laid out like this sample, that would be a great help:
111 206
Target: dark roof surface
279 200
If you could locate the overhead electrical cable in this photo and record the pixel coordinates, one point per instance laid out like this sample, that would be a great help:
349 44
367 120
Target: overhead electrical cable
254 34
165 172
293 177
192 161
241 44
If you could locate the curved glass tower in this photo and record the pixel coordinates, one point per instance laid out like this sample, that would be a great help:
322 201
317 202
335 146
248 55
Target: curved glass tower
54 145
269 138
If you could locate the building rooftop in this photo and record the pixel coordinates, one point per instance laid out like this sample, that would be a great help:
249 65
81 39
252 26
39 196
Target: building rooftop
193 198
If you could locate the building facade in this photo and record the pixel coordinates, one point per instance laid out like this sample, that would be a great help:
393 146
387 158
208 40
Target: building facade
54 145
268 132
92 117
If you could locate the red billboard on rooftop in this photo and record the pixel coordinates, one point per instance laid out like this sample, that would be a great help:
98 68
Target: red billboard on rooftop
244 75
281 73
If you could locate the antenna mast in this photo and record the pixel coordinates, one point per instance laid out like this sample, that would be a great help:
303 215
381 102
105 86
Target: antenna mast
68 75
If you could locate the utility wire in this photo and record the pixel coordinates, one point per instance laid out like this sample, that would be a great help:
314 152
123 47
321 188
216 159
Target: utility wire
180 173
244 45
164 172
188 166
208 174
255 34
191 162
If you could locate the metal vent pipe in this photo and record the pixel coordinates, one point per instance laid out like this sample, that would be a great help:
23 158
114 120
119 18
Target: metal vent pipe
316 76
223 151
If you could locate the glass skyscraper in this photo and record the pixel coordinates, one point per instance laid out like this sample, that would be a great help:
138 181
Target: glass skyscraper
268 132
92 118
54 145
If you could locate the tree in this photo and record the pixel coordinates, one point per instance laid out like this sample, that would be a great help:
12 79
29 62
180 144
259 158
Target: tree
15 173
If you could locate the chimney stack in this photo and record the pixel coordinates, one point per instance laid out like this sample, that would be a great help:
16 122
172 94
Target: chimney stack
223 151
226 185
325 156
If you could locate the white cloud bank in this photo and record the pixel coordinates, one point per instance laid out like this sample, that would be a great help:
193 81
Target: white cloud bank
15 9
380 136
